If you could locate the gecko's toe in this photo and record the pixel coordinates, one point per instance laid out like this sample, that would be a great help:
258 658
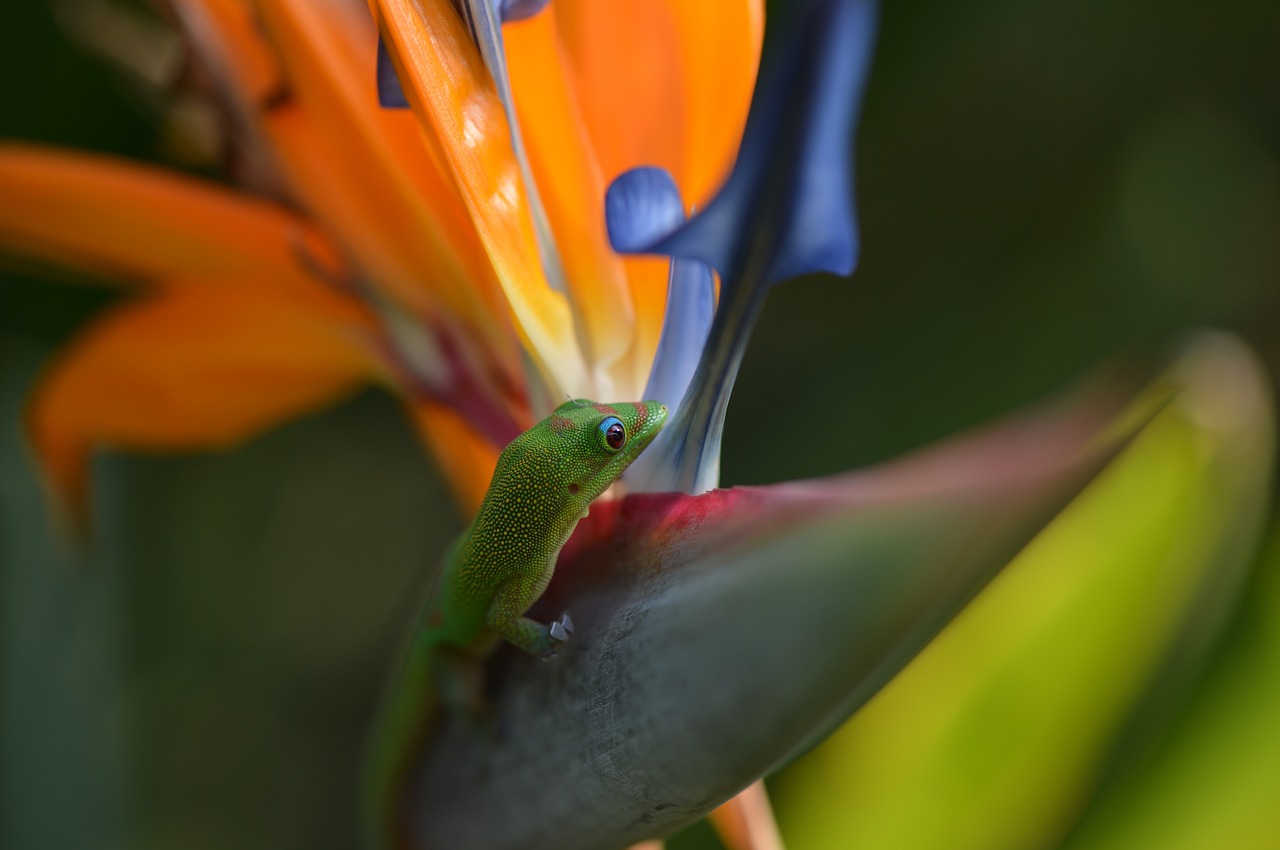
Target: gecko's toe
561 629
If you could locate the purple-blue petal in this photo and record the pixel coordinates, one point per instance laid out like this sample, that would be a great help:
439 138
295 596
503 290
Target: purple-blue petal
518 10
642 207
787 208
691 302
390 92
481 16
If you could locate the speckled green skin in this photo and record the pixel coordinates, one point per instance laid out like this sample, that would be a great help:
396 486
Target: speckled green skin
544 483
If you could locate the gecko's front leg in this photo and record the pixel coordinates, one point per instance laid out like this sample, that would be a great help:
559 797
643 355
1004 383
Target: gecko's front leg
506 619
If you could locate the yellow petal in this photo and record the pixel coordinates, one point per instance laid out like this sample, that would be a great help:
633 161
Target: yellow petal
571 184
648 279
131 222
194 368
453 95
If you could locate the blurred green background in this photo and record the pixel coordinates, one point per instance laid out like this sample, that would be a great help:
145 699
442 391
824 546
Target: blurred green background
1041 185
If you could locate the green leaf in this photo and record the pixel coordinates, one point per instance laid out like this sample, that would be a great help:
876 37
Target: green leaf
1215 781
995 736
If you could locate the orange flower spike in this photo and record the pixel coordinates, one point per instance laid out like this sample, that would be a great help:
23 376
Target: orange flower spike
572 187
134 223
682 108
468 460
304 147
229 40
200 367
246 75
328 47
453 96
229 37
307 130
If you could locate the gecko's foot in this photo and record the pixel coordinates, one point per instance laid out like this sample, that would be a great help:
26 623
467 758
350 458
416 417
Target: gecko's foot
562 628
559 631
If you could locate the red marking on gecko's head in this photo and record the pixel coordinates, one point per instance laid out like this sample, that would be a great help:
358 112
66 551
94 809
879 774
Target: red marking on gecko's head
605 409
560 424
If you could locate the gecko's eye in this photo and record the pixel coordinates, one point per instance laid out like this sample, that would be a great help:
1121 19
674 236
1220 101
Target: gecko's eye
613 433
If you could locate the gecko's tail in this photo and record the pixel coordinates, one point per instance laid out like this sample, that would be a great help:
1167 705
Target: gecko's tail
407 712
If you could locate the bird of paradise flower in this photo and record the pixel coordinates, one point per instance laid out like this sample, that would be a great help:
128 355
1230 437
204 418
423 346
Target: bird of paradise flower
462 254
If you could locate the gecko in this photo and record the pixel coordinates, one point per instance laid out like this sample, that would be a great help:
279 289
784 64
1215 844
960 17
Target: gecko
544 482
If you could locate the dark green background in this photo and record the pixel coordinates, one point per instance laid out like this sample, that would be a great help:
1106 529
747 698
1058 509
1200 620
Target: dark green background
1041 186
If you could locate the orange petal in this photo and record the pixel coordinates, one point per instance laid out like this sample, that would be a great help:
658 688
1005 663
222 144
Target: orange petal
451 91
571 183
412 208
363 170
229 42
131 222
466 459
746 822
195 368
664 83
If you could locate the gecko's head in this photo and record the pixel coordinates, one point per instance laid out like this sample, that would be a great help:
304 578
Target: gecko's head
591 444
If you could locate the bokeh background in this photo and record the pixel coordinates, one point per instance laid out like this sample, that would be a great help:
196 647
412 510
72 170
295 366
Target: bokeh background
1042 186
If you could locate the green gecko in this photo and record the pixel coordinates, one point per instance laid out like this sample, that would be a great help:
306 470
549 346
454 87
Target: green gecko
544 483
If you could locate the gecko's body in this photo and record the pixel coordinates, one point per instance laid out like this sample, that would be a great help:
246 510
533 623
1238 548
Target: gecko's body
544 483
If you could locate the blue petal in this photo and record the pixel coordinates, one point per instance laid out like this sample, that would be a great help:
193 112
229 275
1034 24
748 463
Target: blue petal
641 207
638 209
518 10
502 11
390 92
786 209
690 305
691 299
